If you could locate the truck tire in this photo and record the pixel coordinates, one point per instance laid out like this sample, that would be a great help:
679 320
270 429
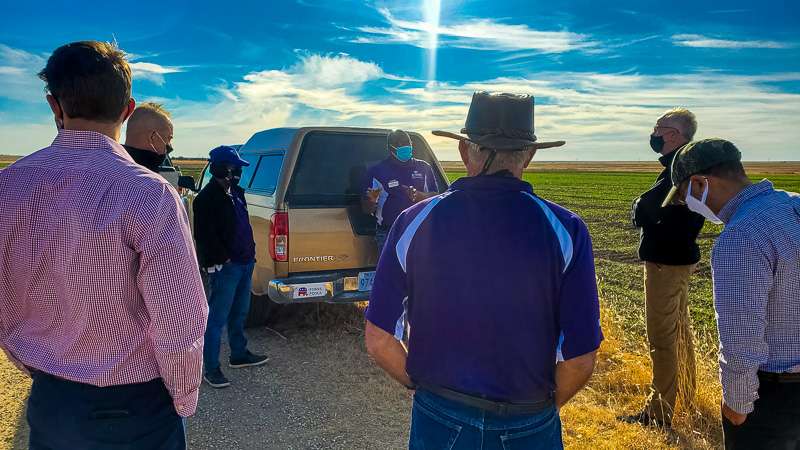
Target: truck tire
261 308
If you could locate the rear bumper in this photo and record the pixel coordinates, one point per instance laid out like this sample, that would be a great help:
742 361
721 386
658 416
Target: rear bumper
338 287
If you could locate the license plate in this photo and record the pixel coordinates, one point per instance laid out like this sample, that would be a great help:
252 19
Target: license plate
310 290
365 280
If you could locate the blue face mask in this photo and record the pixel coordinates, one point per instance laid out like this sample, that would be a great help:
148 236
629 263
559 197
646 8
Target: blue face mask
403 153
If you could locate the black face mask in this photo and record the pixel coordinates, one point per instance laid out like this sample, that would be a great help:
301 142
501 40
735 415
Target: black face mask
231 174
149 159
657 143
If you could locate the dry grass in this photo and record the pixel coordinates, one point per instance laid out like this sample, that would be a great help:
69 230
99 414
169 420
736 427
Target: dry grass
620 386
14 387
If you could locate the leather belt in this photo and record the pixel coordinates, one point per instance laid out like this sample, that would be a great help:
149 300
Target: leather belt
499 408
779 377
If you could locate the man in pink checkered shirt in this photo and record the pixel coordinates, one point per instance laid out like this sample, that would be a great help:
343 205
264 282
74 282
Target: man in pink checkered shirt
100 295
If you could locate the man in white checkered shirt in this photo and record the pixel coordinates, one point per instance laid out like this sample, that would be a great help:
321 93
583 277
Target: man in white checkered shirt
756 269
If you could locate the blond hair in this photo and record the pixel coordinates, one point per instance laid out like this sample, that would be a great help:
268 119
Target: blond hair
683 120
153 108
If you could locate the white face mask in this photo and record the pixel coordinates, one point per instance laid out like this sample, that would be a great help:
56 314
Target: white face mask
700 207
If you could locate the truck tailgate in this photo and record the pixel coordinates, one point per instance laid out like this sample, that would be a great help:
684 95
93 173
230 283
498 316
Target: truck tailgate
324 239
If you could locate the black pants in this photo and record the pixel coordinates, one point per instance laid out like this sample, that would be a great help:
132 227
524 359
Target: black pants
67 415
773 425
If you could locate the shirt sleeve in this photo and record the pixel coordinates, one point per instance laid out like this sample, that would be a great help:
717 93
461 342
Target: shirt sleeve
205 228
386 308
742 279
579 305
647 208
170 284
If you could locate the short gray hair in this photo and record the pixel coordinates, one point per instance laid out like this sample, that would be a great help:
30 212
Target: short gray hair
683 119
508 160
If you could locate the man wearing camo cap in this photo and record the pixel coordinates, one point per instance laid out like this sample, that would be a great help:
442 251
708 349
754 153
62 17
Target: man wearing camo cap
756 270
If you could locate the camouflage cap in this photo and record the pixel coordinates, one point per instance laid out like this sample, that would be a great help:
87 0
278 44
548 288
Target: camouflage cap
699 156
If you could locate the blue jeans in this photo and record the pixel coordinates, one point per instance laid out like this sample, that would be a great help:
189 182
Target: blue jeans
68 415
441 424
228 292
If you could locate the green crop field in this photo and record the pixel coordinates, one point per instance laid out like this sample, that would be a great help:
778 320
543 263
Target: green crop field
603 200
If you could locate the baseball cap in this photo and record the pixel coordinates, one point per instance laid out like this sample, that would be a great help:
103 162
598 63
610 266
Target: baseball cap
225 154
699 156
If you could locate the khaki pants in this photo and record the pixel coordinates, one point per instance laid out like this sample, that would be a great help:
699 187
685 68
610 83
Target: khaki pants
670 336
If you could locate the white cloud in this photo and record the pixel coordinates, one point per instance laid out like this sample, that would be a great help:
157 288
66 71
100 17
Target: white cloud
477 34
18 75
609 116
321 89
700 41
152 72
601 116
338 70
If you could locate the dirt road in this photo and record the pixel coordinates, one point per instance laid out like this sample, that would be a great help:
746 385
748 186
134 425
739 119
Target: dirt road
318 391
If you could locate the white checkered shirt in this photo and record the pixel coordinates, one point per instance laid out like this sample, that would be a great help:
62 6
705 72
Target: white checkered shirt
756 267
99 281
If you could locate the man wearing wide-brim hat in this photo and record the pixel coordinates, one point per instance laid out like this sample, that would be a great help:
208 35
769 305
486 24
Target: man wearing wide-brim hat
497 287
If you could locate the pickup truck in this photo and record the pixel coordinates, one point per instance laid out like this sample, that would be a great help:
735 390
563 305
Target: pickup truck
303 188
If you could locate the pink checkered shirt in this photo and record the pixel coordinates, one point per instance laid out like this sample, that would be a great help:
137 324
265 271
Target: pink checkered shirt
99 281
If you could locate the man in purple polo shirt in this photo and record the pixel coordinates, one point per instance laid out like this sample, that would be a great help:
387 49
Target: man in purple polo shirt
494 288
396 183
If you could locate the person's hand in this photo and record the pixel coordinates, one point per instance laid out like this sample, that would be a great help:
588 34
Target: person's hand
411 191
373 194
733 416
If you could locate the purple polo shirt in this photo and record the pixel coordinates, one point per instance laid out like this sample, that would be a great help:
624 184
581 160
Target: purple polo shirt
494 284
243 247
391 175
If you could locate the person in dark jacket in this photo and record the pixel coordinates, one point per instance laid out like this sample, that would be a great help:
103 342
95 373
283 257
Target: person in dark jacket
226 253
670 253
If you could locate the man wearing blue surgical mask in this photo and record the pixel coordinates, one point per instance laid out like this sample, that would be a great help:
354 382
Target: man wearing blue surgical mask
755 264
670 252
396 183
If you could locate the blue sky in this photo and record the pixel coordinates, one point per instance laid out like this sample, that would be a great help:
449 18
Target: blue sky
601 75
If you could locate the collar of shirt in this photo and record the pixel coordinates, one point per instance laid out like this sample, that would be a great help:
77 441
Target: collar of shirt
89 140
491 183
391 159
666 160
729 210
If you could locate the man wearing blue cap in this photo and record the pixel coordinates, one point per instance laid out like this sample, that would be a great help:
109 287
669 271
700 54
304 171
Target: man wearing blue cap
497 287
226 252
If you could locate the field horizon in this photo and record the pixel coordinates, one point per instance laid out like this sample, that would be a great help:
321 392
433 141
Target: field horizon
756 167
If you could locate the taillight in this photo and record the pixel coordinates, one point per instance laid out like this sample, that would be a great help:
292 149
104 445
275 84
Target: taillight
279 237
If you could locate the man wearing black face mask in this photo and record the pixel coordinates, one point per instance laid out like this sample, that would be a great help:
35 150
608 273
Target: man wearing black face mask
670 252
149 135
226 252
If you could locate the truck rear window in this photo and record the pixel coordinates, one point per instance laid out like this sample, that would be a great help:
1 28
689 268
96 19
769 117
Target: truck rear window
266 178
331 167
